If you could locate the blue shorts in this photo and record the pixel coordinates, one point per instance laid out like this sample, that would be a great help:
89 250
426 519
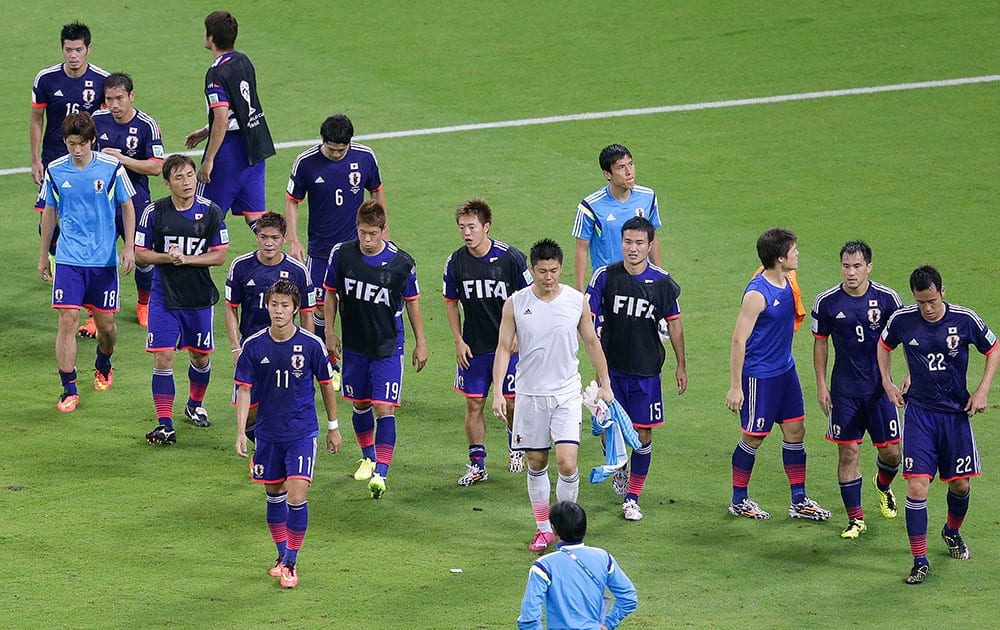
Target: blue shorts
769 400
95 288
850 417
475 382
235 185
378 381
934 441
316 267
276 462
641 396
178 329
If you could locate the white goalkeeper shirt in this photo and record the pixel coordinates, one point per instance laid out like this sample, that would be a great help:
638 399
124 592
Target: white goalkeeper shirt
547 342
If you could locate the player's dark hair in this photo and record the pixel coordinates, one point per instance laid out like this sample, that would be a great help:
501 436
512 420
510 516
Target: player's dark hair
271 219
338 129
640 224
546 249
74 31
569 520
283 287
924 278
79 124
611 154
119 80
476 207
222 27
371 213
774 244
174 162
857 247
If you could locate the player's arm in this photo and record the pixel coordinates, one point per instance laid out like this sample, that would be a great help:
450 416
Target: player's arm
977 402
462 351
333 437
676 330
47 227
128 249
580 262
585 327
654 251
295 248
626 598
233 330
333 345
150 166
216 134
501 359
379 196
212 258
242 411
35 124
821 357
417 324
306 321
530 617
145 257
885 371
751 308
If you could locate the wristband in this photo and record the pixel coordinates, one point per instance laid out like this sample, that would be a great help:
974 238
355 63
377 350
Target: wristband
332 425
237 349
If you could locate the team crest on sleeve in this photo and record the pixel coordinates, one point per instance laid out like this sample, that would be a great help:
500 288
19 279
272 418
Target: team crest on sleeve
224 236
952 341
140 239
158 151
290 187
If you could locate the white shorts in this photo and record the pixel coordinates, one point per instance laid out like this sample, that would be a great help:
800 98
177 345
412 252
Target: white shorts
541 421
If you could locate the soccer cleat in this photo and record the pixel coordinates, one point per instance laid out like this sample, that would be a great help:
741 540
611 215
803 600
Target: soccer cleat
376 485
473 473
89 329
631 510
957 548
67 402
289 576
197 415
748 509
142 314
541 541
366 468
886 500
337 379
515 463
103 383
619 482
808 509
276 569
855 527
918 574
161 435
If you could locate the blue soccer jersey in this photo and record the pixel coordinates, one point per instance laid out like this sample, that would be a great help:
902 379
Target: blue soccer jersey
336 189
855 324
138 139
85 200
248 281
599 219
769 348
60 94
937 353
281 375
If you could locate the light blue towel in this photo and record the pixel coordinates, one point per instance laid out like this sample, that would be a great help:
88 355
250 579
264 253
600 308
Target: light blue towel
614 420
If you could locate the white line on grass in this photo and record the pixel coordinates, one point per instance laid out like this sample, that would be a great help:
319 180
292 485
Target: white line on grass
643 111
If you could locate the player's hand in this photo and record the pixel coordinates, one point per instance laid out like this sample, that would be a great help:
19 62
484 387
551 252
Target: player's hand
112 151
500 407
513 346
462 354
195 137
45 268
734 399
296 251
241 445
605 393
37 171
205 171
895 396
333 345
176 257
682 380
976 403
824 400
420 355
905 386
127 262
333 441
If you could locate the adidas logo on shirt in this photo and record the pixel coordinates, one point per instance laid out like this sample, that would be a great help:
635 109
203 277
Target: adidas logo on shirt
776 302
66 184
251 283
611 217
104 136
58 93
913 342
320 180
527 311
841 315
265 361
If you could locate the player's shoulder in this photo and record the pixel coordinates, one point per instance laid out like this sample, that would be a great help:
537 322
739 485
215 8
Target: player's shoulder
964 312
885 291
101 72
307 337
48 73
396 250
147 120
902 314
825 297
59 163
102 116
595 197
294 263
657 273
357 147
259 337
108 161
305 156
209 204
244 260
643 190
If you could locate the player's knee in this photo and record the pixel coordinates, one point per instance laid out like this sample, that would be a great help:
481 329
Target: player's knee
959 487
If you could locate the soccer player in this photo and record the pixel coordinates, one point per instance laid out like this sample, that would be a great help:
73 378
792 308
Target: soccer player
937 421
370 280
480 276
570 583
334 176
250 277
853 314
182 235
600 215
764 387
630 298
277 368
232 168
81 190
548 319
133 137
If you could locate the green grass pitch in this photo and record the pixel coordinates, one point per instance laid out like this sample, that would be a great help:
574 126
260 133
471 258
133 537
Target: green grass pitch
99 529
